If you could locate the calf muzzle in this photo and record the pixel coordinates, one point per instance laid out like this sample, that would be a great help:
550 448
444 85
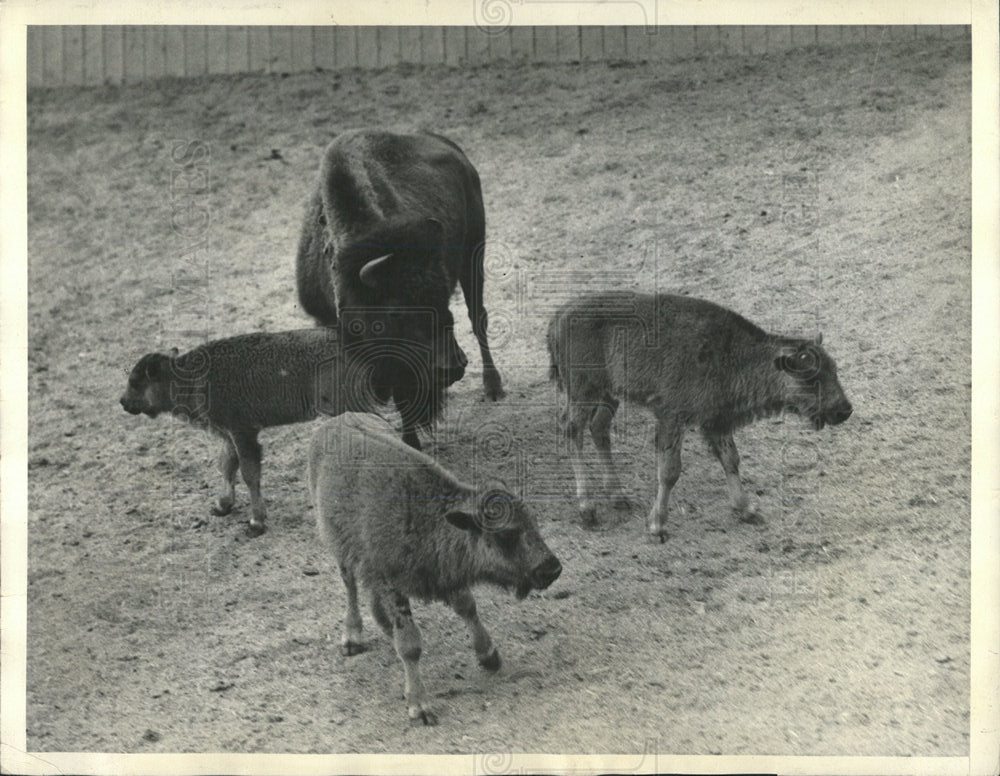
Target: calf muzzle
545 574
839 413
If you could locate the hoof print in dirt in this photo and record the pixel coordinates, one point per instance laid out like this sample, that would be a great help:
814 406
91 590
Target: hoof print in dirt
491 662
749 517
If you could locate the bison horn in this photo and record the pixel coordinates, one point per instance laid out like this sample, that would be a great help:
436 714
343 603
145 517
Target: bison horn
818 339
174 352
369 272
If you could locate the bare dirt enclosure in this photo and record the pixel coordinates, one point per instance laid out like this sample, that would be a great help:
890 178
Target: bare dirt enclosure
821 189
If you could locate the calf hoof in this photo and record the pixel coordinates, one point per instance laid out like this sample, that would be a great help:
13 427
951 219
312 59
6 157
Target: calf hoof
350 648
657 535
493 386
222 507
492 661
255 529
423 717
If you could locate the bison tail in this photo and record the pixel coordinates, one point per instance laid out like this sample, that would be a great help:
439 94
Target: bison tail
551 340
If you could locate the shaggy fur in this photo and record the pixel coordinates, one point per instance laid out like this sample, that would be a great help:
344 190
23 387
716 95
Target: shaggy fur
693 363
404 527
417 199
237 386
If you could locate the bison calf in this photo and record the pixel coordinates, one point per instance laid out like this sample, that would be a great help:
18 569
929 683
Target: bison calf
405 528
237 386
693 363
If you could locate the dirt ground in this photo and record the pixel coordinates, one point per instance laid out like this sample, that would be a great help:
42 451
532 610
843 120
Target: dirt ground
822 189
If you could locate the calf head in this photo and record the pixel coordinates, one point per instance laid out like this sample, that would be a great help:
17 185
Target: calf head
148 389
508 549
812 388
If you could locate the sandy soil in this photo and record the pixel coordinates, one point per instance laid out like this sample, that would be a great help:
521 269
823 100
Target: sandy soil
820 189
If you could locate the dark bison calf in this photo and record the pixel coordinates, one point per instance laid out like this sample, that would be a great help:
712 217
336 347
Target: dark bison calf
406 528
693 363
237 386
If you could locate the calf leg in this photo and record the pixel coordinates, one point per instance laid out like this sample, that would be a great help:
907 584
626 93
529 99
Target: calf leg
471 281
249 451
600 431
406 639
351 643
465 607
669 439
229 462
574 420
724 448
379 613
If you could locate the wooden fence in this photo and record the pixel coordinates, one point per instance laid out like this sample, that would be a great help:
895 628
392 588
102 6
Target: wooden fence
93 55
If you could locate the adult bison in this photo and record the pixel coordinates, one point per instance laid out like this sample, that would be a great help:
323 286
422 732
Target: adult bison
394 223
693 363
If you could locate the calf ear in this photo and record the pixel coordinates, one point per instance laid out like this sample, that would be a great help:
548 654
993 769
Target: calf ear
463 520
818 339
370 273
174 352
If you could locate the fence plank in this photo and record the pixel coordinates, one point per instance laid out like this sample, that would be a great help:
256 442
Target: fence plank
114 51
500 47
433 45
73 55
522 43
729 39
411 44
477 45
302 47
546 44
755 39
323 48
52 66
388 46
155 54
215 47
93 55
345 46
173 42
367 47
591 44
237 60
196 47
454 45
614 42
260 51
637 39
133 67
568 44
36 55
852 33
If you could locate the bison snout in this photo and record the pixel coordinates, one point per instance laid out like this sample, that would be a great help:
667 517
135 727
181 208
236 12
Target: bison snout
547 573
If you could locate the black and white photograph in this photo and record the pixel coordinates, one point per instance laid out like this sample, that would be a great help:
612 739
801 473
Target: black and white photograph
499 389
